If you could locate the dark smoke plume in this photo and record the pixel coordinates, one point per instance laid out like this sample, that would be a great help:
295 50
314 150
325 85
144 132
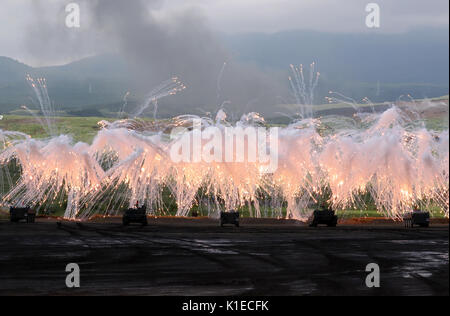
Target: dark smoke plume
180 44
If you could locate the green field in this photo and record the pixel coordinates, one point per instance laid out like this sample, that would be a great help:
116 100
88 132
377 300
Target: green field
80 128
85 128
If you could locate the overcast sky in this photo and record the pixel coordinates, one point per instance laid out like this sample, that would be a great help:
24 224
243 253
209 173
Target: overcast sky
321 15
20 18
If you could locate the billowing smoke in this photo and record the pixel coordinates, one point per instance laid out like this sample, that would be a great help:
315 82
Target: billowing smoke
158 45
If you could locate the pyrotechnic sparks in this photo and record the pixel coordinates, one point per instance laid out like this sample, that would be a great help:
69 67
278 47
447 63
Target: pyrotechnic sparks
169 87
303 90
397 164
39 86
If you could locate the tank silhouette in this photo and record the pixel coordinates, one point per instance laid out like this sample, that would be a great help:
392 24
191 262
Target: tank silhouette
17 214
231 218
135 215
324 217
417 217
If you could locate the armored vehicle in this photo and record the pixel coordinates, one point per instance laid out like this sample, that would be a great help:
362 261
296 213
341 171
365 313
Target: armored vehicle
231 218
22 213
135 215
324 217
417 217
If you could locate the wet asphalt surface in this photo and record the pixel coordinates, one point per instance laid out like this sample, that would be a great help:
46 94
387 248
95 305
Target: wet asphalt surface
200 258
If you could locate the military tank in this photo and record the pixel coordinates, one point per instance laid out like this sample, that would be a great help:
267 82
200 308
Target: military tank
324 217
417 217
231 218
17 214
135 215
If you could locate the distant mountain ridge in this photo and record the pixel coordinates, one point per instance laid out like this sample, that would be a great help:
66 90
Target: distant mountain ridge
419 56
90 81
380 66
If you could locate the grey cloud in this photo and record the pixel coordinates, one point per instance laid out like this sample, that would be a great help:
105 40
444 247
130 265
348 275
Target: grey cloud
156 49
324 15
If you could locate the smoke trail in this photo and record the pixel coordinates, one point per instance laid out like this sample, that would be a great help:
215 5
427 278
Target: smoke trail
304 91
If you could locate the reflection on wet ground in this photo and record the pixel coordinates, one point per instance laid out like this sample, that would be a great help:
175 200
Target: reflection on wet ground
203 259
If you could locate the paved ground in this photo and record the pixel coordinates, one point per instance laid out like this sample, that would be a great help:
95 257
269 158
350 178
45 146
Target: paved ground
195 257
